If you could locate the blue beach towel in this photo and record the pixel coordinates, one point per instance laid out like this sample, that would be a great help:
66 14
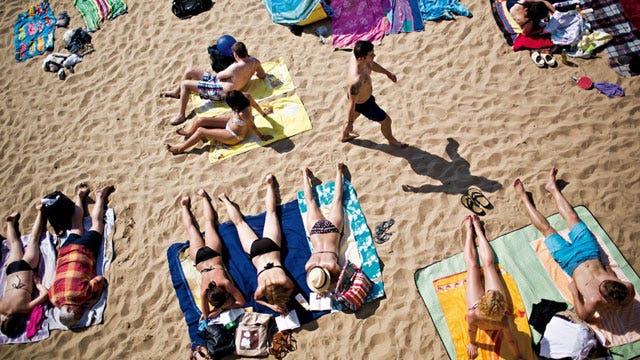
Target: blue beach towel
404 15
442 9
295 251
290 12
33 31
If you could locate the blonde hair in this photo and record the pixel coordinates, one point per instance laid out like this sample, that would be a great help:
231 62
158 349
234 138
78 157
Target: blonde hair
492 305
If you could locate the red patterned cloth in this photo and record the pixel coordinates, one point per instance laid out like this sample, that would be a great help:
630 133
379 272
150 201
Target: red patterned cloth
75 281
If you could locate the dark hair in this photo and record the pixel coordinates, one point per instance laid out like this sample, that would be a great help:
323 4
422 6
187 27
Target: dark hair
58 209
13 326
240 49
237 101
362 49
536 11
216 295
614 291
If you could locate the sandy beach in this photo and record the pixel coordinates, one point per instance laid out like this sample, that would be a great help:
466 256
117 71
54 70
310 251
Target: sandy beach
458 84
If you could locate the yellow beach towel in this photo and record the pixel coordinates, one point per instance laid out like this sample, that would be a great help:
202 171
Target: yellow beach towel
191 275
491 345
288 118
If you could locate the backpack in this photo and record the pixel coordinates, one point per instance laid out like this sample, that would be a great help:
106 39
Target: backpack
253 334
353 286
58 209
220 340
219 62
187 8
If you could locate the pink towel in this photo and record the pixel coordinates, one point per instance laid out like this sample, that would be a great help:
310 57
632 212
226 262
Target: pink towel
35 321
358 20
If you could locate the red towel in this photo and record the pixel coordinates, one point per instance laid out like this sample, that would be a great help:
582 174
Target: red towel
632 12
525 42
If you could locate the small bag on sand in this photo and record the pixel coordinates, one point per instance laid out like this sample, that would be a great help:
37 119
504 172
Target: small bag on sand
253 334
58 209
187 8
220 340
353 286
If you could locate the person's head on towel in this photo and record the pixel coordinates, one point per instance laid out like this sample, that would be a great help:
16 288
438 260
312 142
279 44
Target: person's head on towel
492 305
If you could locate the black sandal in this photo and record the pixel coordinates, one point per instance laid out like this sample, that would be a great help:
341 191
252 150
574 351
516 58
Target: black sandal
470 204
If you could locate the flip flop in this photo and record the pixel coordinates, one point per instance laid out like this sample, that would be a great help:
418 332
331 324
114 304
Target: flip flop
470 204
549 60
537 59
384 226
478 197
382 238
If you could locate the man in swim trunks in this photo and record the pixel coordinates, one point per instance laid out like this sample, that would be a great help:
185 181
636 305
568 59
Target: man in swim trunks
214 86
359 93
18 292
75 284
594 285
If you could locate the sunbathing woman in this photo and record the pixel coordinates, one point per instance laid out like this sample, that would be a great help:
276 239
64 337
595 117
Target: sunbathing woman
215 287
273 283
322 268
528 13
21 276
227 130
488 306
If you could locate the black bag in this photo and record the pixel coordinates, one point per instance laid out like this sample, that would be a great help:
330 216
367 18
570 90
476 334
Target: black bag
187 8
58 209
220 340
219 62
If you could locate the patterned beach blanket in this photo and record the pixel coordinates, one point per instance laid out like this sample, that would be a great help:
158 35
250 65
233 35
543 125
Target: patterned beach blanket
355 20
289 12
95 12
609 17
357 243
33 31
442 9
404 15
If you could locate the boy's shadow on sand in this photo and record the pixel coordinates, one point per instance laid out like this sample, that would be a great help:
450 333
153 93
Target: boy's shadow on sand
454 174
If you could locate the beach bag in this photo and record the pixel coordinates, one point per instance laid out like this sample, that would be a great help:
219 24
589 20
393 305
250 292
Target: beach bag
219 340
353 286
253 334
58 209
219 62
187 8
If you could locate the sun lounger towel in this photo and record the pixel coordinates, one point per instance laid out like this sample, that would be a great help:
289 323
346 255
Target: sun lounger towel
295 251
33 31
442 9
619 327
609 17
289 12
289 118
95 12
442 287
94 315
404 15
357 243
46 269
355 20
534 284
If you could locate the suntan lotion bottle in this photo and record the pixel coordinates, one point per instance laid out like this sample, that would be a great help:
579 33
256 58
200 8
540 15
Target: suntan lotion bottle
302 301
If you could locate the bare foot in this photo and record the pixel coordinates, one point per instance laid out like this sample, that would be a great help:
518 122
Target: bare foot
182 132
268 179
519 187
179 119
468 225
171 94
203 194
223 197
397 143
267 110
82 190
105 192
349 136
340 166
551 184
13 218
173 149
186 202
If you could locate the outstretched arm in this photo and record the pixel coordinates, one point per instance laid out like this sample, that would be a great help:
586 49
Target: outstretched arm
44 295
254 128
378 68
255 105
584 311
276 308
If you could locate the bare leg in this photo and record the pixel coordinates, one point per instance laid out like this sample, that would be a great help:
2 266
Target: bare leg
336 214
218 122
77 226
32 253
565 208
474 288
246 234
537 219
492 280
220 135
97 215
189 74
347 128
313 212
385 127
13 237
195 239
211 238
186 88
271 223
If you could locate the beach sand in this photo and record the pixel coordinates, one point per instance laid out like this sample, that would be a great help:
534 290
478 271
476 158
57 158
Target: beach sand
457 80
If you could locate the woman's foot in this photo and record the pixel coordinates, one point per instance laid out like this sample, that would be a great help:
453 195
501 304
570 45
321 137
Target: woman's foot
551 183
203 194
174 149
103 193
477 225
179 119
268 179
182 132
186 202
223 197
82 190
170 94
13 218
519 188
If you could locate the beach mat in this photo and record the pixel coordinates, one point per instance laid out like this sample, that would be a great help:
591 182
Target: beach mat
289 118
33 31
433 10
96 12
519 259
357 243
295 252
288 12
278 82
403 15
46 269
358 20
507 26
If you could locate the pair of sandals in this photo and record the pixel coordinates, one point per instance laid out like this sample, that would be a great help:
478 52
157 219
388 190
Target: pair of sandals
543 59
474 200
282 344
382 234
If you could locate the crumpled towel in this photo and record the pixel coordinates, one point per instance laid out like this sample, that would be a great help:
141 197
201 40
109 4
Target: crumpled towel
589 43
609 89
35 321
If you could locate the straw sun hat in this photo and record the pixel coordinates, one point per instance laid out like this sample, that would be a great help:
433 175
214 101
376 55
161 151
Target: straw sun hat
318 279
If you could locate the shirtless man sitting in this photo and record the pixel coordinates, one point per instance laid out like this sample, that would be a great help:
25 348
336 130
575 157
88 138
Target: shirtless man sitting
214 86
322 268
359 93
18 292
594 285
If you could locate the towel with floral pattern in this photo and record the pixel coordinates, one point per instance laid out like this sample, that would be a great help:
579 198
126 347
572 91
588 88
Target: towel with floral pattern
33 31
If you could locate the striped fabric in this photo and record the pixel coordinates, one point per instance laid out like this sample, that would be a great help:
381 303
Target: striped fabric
353 287
74 282
96 12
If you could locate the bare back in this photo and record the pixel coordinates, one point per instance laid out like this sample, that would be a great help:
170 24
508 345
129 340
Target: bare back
325 250
238 74
588 277
17 293
359 83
